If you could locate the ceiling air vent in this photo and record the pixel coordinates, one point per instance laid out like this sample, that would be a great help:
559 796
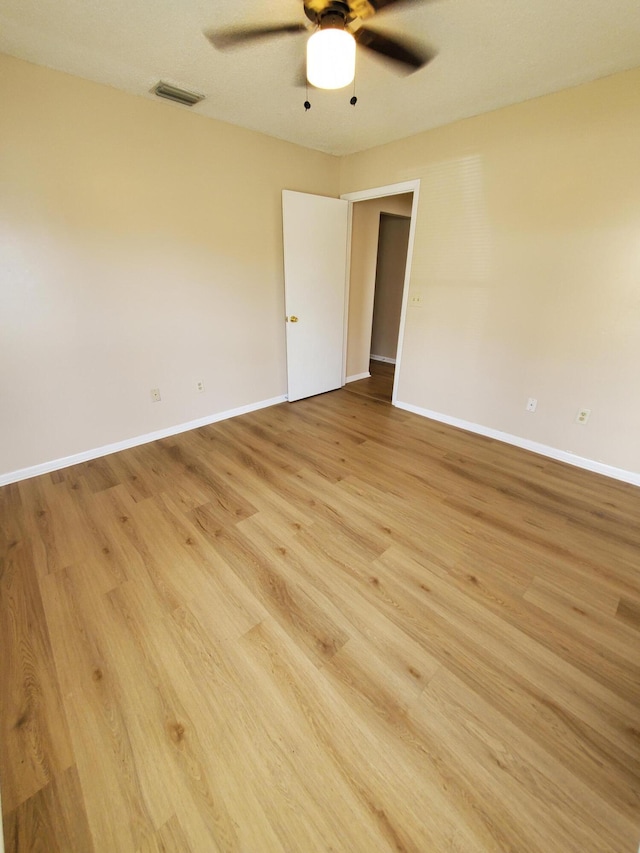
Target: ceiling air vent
180 96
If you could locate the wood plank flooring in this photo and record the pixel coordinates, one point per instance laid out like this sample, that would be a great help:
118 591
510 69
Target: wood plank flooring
324 626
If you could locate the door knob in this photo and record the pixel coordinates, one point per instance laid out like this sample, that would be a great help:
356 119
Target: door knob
293 319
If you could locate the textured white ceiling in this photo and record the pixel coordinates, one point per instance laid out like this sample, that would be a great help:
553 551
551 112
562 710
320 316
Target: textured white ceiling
490 53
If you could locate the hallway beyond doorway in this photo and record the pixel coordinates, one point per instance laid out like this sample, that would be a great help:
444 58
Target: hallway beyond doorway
378 386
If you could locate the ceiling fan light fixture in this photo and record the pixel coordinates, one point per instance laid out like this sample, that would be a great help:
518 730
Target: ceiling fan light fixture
331 58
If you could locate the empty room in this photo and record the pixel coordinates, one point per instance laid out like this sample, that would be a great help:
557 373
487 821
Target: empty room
320 426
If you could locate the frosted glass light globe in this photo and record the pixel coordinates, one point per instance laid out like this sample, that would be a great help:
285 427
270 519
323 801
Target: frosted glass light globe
331 59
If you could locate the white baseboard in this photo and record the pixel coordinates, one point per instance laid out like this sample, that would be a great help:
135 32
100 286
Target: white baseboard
535 447
543 449
358 376
86 455
382 358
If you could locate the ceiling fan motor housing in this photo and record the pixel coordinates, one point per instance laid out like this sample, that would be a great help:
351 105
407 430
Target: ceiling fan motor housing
335 15
332 21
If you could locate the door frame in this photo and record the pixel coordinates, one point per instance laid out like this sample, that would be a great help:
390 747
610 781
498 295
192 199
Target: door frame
364 195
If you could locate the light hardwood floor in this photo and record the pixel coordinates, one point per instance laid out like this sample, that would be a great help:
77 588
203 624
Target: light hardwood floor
325 626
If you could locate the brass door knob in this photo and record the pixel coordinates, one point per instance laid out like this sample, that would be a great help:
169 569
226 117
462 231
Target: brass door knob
293 319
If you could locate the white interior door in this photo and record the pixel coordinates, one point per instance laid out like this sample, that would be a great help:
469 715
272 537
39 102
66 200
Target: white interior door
315 269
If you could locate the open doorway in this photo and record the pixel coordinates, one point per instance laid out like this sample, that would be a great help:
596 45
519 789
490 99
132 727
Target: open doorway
391 259
393 241
382 228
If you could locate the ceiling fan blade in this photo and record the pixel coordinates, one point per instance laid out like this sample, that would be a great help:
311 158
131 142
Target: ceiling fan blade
380 4
390 48
224 39
366 8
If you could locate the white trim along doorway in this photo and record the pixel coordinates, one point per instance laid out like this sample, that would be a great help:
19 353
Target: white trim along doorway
365 195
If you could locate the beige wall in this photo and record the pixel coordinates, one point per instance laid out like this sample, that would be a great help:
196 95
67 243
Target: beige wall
364 249
528 258
140 247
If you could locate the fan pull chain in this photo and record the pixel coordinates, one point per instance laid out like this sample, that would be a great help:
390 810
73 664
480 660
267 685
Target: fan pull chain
353 100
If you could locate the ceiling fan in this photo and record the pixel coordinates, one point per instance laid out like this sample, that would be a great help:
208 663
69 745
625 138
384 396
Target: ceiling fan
336 27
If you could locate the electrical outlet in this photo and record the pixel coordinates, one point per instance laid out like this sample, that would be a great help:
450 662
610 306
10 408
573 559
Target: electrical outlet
415 300
583 416
532 404
199 386
155 395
